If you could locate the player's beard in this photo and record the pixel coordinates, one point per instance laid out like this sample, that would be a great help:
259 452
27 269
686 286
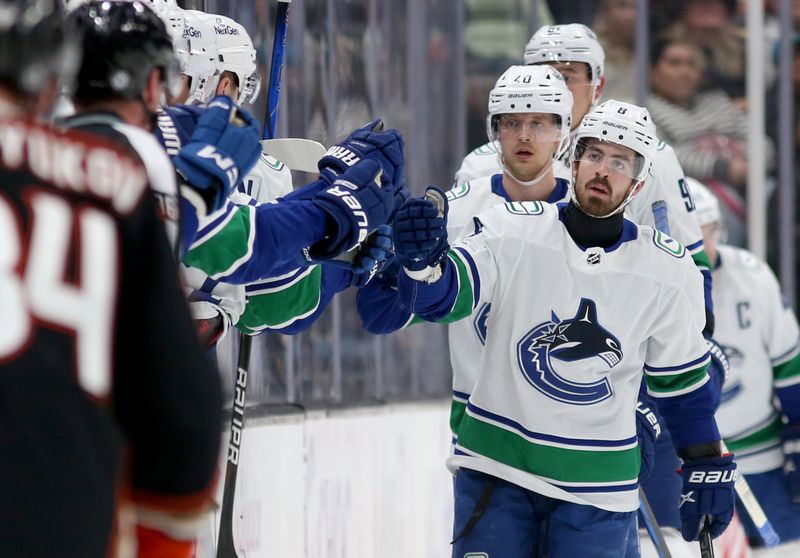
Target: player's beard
598 207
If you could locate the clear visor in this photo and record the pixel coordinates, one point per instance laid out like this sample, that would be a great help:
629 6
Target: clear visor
605 159
537 128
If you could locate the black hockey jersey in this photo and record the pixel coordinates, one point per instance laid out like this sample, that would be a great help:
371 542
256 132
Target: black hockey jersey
105 394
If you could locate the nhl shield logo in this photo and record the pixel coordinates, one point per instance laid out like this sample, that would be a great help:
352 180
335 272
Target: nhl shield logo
593 258
573 339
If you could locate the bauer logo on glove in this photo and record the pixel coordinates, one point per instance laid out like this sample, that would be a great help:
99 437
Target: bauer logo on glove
344 190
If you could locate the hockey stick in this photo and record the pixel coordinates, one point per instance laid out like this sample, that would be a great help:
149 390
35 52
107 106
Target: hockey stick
706 546
296 153
754 510
651 524
226 546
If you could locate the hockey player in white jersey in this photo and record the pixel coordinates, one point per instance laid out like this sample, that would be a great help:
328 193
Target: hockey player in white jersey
583 301
665 204
759 416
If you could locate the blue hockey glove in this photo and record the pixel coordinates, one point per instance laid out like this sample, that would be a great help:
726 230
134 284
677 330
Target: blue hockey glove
648 430
420 230
371 256
357 205
367 142
707 492
222 149
791 465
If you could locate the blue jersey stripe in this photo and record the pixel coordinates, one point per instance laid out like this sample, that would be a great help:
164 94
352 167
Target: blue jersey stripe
549 437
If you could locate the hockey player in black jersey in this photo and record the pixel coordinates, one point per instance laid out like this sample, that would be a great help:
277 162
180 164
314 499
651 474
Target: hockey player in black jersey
108 409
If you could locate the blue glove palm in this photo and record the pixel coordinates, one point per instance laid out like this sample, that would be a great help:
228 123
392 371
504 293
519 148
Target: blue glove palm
368 142
222 149
707 493
357 205
420 230
791 465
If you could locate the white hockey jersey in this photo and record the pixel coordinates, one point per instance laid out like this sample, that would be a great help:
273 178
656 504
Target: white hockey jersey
467 337
761 338
664 203
571 330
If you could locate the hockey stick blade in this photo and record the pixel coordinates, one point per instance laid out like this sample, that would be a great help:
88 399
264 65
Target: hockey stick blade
651 524
297 154
765 530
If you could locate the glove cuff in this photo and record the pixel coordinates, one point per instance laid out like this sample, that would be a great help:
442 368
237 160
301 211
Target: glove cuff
429 275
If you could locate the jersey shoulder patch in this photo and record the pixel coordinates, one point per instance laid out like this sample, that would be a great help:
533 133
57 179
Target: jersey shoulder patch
524 208
668 244
458 191
485 149
748 260
272 162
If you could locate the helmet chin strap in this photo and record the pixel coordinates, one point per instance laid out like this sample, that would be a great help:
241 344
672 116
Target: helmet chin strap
524 183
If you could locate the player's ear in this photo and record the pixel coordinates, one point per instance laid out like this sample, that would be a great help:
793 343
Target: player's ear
599 90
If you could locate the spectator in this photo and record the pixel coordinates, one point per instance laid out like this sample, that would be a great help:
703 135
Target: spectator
710 24
615 27
707 131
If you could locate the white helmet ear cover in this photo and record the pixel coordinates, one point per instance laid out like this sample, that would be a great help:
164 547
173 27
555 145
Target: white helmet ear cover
531 89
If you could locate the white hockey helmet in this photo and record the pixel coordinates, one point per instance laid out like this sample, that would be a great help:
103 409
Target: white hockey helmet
236 54
706 204
623 124
197 51
573 42
531 89
172 16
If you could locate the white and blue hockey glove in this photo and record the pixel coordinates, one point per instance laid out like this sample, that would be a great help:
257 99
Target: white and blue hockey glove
222 149
419 233
707 495
370 257
791 451
357 205
368 142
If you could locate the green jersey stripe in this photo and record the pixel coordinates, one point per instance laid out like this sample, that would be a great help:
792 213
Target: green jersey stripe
463 305
665 385
769 433
280 308
556 463
789 369
225 248
457 410
701 260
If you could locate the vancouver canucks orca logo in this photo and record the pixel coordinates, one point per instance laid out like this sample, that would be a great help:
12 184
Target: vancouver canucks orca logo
578 338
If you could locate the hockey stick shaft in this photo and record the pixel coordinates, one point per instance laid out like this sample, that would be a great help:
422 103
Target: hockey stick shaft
651 524
706 546
226 547
276 68
754 510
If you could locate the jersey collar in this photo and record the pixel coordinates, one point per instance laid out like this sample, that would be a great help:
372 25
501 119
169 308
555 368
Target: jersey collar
558 194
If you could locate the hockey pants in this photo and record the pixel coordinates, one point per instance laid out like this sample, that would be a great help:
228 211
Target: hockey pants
497 519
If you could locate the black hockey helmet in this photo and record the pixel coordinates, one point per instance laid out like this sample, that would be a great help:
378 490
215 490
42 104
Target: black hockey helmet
36 45
122 42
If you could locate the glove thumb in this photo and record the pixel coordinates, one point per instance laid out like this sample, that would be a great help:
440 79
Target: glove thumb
437 197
